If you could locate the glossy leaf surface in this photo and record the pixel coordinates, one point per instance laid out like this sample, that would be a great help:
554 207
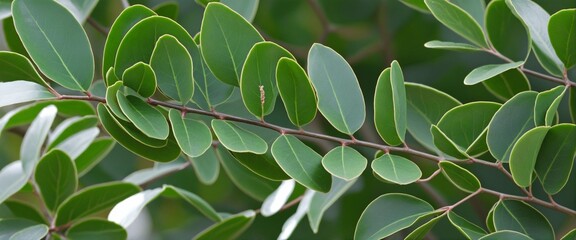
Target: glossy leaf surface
396 169
390 105
237 139
296 92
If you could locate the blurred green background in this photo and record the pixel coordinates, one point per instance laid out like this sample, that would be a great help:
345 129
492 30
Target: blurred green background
370 34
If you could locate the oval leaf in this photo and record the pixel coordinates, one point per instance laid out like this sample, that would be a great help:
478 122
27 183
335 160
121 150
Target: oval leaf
564 44
390 105
12 179
34 139
47 29
435 44
458 20
506 234
446 145
556 157
24 210
278 198
507 84
14 66
212 91
421 231
56 178
94 154
173 67
344 162
519 216
206 167
262 164
524 155
396 169
112 100
193 136
320 202
340 98
22 91
33 232
500 25
127 210
301 163
296 92
460 177
145 117
141 78
389 214
237 139
489 71
95 229
468 229
547 104
70 127
226 40
230 228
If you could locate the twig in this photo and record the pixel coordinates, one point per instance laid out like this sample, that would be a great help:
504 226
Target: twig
98 27
326 27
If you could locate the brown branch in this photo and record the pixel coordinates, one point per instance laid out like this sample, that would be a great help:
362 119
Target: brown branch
326 26
105 31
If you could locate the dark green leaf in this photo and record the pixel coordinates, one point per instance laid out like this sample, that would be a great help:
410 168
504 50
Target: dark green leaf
262 164
146 118
458 20
93 154
570 235
416 4
35 137
245 8
14 66
197 202
206 167
81 9
56 178
506 234
490 218
211 91
389 214
33 232
340 98
8 227
489 71
168 9
556 157
257 81
141 78
475 8
561 28
446 145
193 136
23 210
507 84
500 25
95 229
237 139
173 67
421 231
390 105
22 91
547 104
322 201
93 199
525 154
572 104
296 92
112 100
521 217
12 179
166 153
460 177
229 228
143 176
69 127
468 229
535 19
226 40
512 120
78 143
396 169
5 9
47 29
344 162
301 163
451 46
125 21
11 36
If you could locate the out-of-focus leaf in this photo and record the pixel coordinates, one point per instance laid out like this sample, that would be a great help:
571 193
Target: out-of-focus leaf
15 66
416 4
145 117
570 235
547 104
9 227
229 228
5 8
344 162
561 23
78 143
206 167
519 216
70 127
168 9
95 229
23 210
322 201
81 9
56 178
296 92
500 25
278 198
459 176
245 8
127 210
143 176
421 231
507 84
200 204
262 164
572 104
193 136
93 154
141 78
505 234
11 36
525 154
35 137
451 46
47 29
396 169
390 105
33 232
489 71
556 157
340 98
237 139
12 179
468 229
301 163
458 20
22 91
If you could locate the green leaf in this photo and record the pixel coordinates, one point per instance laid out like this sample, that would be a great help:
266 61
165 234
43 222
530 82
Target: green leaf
146 118
475 8
390 105
23 210
422 115
200 204
22 91
47 29
446 145
11 36
10 227
93 199
12 179
301 163
35 137
173 67
206 167
5 8
123 23
512 120
112 101
229 228
468 229
521 217
253 185
69 127
489 71
389 214
572 104
535 20
435 44
166 153
421 231
547 104
340 98
465 126
95 229
78 143
262 164
33 232
246 8
460 177
507 84
133 50
525 154
490 218
56 178
274 203
143 176
296 92
344 162
193 136
226 40
81 9
396 169
322 201
570 235
257 81
500 25
141 78
212 91
458 20
126 211
168 9
237 139
93 154
15 66
506 234
561 28
416 4
556 157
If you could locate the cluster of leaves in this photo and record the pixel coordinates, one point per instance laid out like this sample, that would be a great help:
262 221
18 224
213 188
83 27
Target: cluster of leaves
159 84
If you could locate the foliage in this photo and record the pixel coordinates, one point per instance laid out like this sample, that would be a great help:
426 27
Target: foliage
226 91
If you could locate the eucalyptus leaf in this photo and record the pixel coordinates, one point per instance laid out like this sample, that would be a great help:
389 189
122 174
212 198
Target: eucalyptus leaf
344 162
396 169
390 105
296 92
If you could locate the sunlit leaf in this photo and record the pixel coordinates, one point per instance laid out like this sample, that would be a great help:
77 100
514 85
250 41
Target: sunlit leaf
489 71
22 91
435 44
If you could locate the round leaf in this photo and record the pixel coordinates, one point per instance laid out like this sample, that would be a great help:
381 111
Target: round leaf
193 136
561 23
459 176
390 105
344 162
296 92
507 84
500 25
489 71
519 216
396 169
140 78
95 229
525 154
458 20
145 117
206 167
237 139
14 66
556 157
56 178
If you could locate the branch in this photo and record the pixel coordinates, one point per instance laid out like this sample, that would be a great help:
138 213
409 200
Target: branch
105 31
326 27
